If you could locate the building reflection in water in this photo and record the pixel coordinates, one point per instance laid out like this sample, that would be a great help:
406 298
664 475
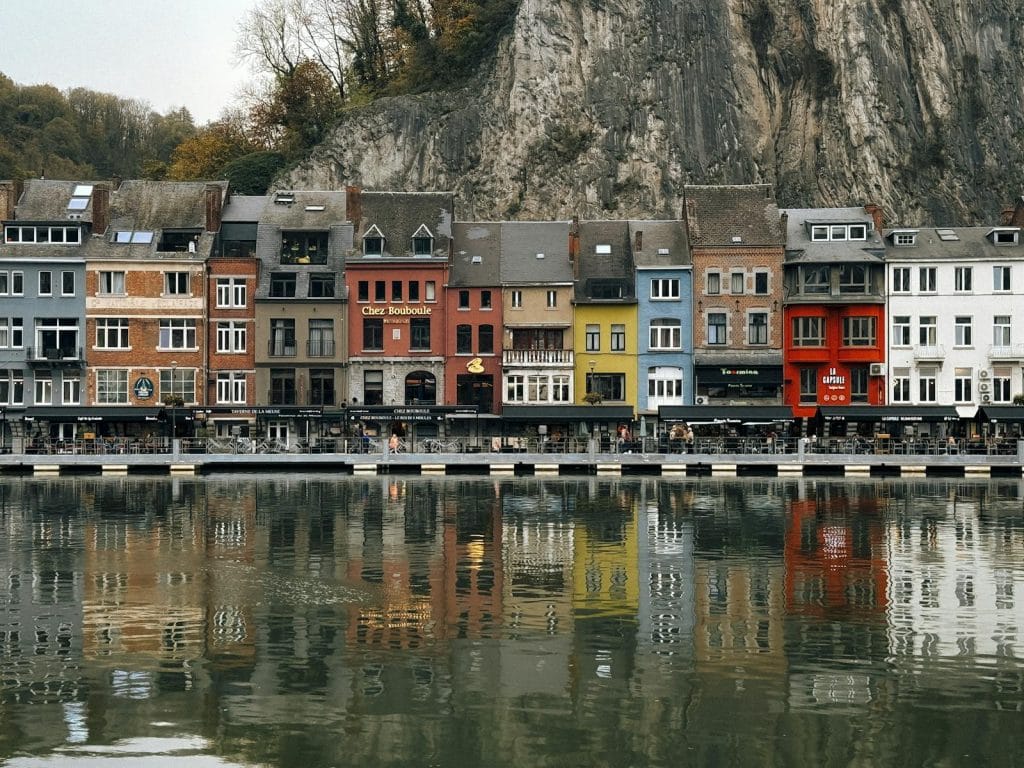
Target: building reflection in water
342 621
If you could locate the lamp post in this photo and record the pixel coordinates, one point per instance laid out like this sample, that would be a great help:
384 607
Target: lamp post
174 404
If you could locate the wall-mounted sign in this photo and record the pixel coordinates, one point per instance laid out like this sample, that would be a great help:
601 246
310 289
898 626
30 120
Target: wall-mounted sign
834 387
476 365
143 388
400 311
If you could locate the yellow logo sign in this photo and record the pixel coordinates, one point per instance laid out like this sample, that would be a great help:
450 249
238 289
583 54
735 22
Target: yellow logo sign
476 365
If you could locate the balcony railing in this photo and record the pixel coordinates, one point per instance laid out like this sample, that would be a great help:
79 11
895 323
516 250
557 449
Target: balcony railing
54 354
320 348
1008 352
278 348
559 357
933 352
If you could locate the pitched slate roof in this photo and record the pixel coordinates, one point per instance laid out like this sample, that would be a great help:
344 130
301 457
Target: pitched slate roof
244 208
971 244
308 210
46 200
601 268
522 241
155 206
399 215
159 205
800 247
662 243
476 260
718 214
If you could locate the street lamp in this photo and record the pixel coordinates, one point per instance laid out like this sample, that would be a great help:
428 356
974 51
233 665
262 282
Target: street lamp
174 403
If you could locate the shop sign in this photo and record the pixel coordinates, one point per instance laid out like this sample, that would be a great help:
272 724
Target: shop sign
834 385
396 311
143 388
476 365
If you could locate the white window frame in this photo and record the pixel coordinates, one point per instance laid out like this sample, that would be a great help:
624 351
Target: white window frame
927 331
111 386
231 293
177 333
43 394
665 334
901 280
901 331
231 388
49 278
517 299
1001 278
617 338
927 280
665 289
108 327
552 299
1002 326
592 337
173 283
963 279
71 390
963 331
231 337
111 283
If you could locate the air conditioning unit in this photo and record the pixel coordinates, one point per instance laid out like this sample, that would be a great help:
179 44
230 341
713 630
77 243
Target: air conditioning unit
983 374
983 386
986 398
700 400
878 369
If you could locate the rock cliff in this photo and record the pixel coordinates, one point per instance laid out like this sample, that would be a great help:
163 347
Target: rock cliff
606 108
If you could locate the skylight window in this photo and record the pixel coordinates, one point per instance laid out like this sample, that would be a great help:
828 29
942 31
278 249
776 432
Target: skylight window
316 207
82 190
603 250
947 235
127 236
78 203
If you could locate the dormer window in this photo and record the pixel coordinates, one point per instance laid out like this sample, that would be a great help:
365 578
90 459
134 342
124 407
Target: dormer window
904 237
423 242
373 242
134 237
1005 235
838 232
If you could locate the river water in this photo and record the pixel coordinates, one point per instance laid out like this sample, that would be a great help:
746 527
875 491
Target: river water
329 621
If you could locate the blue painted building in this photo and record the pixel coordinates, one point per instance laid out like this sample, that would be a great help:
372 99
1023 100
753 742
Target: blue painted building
42 297
664 291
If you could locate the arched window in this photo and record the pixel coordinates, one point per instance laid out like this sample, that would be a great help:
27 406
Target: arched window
420 388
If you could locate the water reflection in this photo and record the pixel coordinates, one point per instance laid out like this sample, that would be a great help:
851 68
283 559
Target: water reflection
338 621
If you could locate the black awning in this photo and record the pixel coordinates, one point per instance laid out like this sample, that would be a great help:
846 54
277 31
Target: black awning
893 414
567 413
742 414
738 374
268 411
76 413
1002 414
408 413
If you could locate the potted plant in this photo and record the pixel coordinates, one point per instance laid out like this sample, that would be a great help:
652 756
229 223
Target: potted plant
593 398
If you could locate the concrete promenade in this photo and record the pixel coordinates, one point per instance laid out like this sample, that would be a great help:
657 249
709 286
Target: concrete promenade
522 464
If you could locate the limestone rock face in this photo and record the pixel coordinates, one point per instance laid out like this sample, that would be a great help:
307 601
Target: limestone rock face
606 108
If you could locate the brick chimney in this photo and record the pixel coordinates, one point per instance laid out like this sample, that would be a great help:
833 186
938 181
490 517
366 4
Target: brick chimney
638 240
784 226
100 209
354 207
574 246
690 217
876 213
214 203
7 200
1017 216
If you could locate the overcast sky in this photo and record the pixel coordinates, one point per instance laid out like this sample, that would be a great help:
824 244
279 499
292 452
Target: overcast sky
171 53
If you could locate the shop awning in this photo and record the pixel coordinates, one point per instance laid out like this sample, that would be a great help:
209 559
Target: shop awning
567 413
1002 414
739 414
894 414
75 413
406 413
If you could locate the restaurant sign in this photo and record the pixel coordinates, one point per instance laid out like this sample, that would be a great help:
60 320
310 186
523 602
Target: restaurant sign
834 387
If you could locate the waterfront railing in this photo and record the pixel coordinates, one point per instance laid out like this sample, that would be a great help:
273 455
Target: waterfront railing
711 446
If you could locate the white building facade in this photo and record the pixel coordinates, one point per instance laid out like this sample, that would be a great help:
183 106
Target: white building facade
956 330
